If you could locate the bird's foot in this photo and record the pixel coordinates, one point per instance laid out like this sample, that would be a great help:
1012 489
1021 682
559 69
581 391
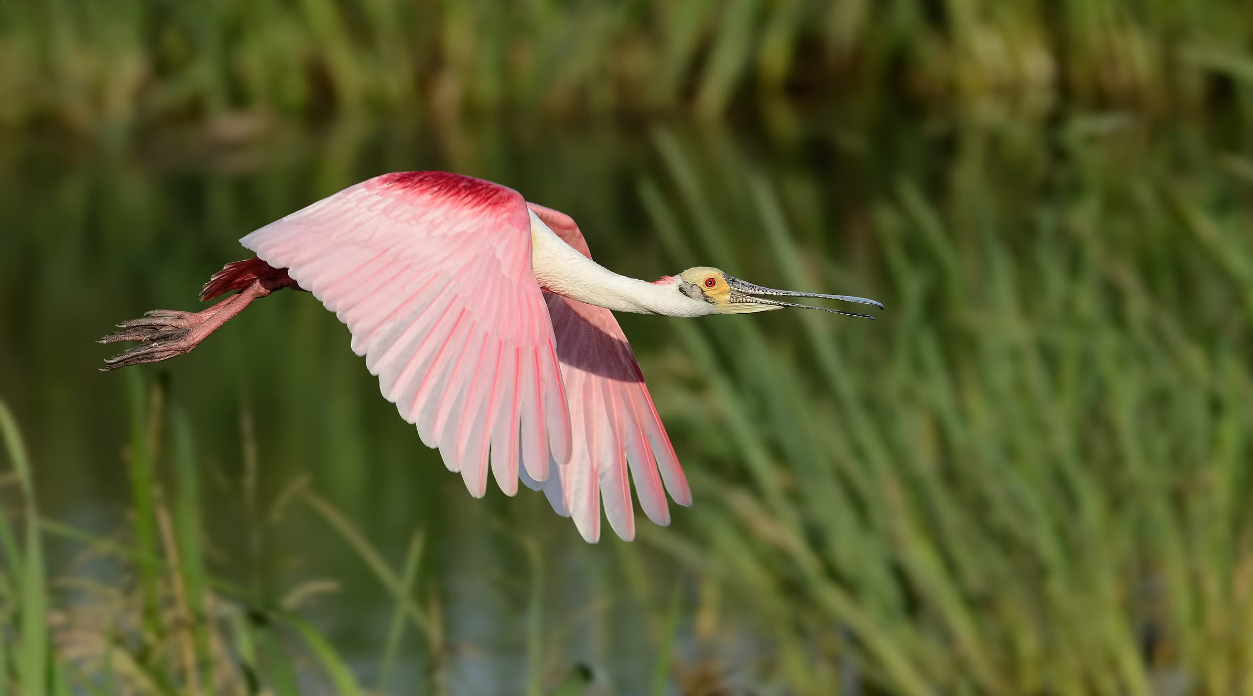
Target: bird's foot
162 333
165 334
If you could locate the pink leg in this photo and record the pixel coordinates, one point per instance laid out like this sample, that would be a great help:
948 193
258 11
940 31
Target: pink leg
166 333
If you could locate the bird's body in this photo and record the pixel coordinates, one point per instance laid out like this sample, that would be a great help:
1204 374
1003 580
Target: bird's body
489 326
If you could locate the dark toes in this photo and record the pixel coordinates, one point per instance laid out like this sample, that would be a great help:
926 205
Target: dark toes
133 333
151 351
159 324
173 314
161 333
146 334
168 335
159 318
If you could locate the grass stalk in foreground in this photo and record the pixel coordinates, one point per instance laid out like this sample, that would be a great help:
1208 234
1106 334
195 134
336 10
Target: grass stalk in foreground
26 584
170 629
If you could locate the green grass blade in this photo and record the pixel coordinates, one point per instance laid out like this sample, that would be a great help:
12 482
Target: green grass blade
341 677
373 560
395 630
33 659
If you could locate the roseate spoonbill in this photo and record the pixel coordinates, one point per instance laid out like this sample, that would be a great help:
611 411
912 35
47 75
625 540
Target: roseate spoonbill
490 328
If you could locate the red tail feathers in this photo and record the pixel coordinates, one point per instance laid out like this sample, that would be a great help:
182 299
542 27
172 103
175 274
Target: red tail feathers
238 275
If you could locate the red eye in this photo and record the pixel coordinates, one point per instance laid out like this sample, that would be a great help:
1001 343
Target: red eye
710 282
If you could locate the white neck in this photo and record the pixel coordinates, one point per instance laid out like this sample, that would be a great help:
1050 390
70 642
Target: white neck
561 269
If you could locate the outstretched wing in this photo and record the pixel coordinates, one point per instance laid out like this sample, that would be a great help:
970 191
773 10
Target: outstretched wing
614 425
431 272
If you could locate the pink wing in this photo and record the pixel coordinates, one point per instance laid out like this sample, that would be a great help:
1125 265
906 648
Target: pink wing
432 274
614 425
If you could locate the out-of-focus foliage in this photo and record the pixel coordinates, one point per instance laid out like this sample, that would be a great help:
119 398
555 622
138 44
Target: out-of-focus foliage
1033 477
105 67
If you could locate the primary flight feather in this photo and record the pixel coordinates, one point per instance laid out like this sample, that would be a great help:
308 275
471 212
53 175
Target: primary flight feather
490 328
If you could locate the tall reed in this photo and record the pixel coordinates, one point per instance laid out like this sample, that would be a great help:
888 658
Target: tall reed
1029 476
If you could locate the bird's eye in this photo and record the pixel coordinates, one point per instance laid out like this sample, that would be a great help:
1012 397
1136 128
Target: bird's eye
710 282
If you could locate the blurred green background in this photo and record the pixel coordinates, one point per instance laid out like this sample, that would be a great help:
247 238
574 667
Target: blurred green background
1029 476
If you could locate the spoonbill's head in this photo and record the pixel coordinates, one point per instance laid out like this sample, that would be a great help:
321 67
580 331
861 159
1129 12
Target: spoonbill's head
727 294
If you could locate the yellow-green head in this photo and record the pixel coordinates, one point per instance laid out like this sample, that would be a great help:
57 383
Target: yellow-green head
729 295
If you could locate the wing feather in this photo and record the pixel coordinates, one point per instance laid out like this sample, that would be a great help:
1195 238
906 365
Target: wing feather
469 433
504 426
615 484
644 467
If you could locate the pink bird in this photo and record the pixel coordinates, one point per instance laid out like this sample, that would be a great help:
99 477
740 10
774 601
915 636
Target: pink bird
490 328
